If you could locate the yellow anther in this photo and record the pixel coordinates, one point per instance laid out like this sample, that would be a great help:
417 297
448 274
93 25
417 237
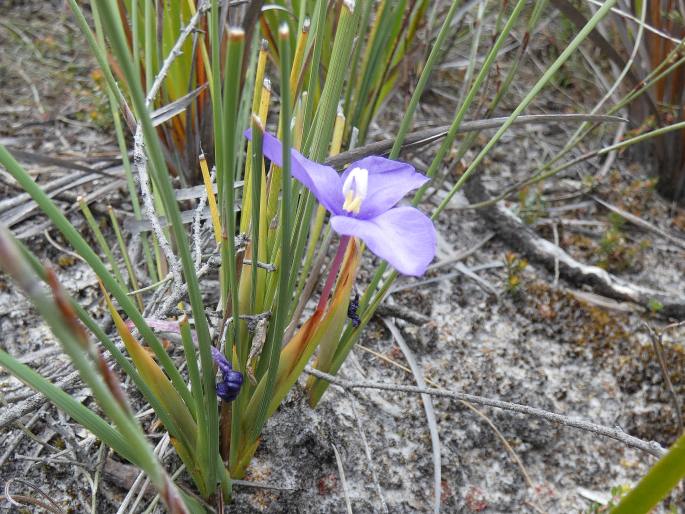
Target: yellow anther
354 190
353 204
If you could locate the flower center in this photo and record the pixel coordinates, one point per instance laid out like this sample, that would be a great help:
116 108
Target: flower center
354 189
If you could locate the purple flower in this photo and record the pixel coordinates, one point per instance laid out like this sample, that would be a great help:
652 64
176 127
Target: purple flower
229 386
362 204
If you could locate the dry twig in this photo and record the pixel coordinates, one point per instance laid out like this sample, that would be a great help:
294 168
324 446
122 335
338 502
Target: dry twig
473 408
521 237
651 447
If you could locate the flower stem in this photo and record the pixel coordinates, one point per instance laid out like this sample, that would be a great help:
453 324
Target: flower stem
335 267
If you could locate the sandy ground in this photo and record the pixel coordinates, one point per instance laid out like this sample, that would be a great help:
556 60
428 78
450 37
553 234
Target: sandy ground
536 344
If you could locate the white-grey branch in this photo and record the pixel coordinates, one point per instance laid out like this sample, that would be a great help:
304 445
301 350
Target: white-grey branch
651 447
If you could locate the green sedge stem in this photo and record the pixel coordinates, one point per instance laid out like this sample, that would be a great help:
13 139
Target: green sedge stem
227 176
423 80
276 334
65 402
162 179
109 345
459 116
85 356
546 77
324 119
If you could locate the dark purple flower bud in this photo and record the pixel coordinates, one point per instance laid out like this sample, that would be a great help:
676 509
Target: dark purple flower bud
234 377
229 386
227 392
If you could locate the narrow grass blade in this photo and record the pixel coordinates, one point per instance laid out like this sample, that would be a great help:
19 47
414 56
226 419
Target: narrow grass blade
65 402
176 407
273 346
161 178
81 246
56 310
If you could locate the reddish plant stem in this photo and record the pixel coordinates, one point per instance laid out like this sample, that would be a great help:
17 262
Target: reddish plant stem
333 273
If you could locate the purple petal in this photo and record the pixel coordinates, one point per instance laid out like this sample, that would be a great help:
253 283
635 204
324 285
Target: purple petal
389 182
323 181
221 360
403 236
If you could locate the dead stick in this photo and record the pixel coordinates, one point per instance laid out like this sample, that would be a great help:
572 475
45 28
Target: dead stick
651 447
